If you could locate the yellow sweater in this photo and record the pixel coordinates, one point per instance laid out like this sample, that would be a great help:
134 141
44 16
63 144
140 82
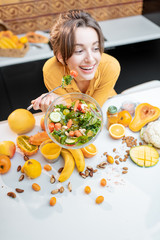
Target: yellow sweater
101 87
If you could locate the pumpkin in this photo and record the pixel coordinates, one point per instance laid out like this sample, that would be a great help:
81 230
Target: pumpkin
144 114
124 118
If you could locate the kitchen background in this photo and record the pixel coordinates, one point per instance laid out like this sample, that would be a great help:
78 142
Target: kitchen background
20 83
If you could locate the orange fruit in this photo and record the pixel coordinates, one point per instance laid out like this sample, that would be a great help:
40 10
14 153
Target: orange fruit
117 130
89 151
5 164
124 118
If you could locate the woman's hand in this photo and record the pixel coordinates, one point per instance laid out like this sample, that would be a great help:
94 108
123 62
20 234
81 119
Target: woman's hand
44 103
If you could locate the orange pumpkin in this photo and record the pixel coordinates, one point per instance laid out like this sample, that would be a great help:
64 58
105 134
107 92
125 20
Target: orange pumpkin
124 118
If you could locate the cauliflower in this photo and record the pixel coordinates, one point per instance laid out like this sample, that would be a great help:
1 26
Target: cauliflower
151 134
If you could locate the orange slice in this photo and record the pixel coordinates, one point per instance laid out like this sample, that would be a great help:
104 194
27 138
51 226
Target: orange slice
117 131
89 151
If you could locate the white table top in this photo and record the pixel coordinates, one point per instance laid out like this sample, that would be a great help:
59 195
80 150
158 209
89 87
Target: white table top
131 208
118 32
129 30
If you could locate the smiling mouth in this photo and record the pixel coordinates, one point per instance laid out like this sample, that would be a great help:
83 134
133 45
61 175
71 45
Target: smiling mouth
88 68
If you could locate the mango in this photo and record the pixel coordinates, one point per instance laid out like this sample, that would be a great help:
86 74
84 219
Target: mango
21 121
144 155
7 148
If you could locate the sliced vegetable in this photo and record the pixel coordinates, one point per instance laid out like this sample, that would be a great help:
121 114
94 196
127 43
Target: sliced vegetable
70 141
55 116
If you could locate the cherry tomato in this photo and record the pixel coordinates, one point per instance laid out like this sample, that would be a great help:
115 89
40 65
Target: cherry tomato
51 127
57 126
79 107
73 73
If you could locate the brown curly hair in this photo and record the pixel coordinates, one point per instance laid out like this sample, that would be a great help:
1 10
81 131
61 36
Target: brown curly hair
62 33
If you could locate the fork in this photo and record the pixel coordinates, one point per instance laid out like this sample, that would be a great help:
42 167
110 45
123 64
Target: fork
29 108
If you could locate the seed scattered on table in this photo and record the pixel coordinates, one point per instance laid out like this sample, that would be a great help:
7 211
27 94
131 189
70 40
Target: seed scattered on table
11 194
69 187
60 170
117 162
21 177
125 168
18 190
52 179
61 190
19 168
55 191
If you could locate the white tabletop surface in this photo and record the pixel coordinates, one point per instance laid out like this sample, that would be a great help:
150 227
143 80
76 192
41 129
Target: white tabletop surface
129 30
118 32
131 207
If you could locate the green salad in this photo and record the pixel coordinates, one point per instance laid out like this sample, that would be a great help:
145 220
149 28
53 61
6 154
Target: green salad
75 124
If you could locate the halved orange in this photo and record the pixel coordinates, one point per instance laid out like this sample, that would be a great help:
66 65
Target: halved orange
89 151
117 130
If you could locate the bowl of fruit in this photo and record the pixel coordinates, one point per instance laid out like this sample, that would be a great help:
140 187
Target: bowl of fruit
73 120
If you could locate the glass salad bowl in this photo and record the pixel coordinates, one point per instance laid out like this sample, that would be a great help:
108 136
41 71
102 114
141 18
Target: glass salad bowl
73 120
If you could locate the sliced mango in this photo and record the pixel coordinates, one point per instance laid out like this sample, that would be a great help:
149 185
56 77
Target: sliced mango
144 155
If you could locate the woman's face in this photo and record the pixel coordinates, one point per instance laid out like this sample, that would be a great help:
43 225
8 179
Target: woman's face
86 56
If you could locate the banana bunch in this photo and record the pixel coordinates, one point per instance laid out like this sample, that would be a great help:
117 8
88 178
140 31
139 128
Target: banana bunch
10 41
71 158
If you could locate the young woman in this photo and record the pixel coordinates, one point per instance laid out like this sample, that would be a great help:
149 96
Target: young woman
78 44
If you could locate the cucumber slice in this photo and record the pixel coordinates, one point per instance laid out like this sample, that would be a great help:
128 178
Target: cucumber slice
70 141
55 116
92 121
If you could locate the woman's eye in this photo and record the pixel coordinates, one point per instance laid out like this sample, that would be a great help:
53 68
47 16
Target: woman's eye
96 49
79 51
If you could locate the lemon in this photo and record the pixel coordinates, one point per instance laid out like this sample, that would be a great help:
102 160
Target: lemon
21 121
23 40
32 168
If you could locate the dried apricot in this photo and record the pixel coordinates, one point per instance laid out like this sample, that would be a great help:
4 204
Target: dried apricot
103 182
110 159
99 199
87 189
36 187
47 167
52 201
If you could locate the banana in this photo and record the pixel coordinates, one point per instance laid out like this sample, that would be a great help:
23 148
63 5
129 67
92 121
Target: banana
2 46
79 159
10 42
68 166
7 43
